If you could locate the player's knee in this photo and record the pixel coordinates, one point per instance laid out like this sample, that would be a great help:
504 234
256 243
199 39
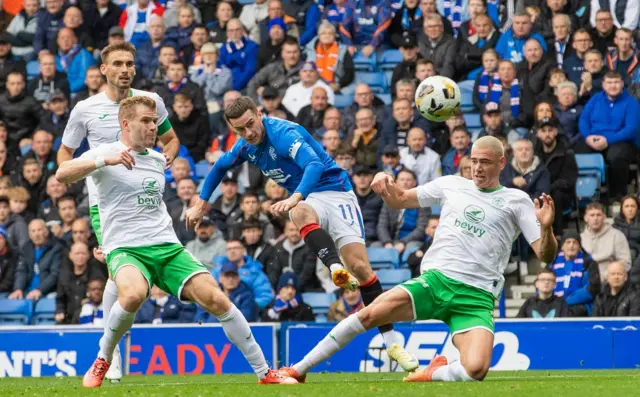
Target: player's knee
302 215
132 297
367 317
214 301
476 368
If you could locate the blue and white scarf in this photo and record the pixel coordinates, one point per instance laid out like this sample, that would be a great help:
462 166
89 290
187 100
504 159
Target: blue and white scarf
66 59
568 274
496 93
453 11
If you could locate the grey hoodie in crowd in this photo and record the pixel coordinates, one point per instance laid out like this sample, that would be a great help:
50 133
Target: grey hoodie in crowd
606 246
205 251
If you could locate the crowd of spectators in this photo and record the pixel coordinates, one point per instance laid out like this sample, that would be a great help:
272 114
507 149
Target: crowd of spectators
549 78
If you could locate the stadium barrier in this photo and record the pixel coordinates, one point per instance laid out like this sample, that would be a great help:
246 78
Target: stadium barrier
544 344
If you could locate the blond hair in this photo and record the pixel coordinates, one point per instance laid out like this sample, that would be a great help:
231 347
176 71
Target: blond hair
489 142
18 193
128 106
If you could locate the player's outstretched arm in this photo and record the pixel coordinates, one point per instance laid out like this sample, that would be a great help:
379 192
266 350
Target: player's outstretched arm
65 153
75 170
170 146
392 194
547 246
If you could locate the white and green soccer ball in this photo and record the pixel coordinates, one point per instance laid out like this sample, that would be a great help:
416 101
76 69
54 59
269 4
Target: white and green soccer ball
438 98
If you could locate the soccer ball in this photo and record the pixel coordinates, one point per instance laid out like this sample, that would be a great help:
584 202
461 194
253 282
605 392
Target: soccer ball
438 98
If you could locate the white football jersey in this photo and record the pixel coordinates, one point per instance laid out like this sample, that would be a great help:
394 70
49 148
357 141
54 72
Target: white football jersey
132 211
477 228
96 118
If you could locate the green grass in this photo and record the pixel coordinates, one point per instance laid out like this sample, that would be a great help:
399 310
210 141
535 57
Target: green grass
499 384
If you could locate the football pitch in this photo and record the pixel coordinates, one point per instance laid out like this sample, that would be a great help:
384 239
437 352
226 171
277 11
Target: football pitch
616 383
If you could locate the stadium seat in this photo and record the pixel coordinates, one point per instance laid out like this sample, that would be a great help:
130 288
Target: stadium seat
321 318
389 59
386 98
15 311
435 210
360 63
375 80
343 101
405 255
382 258
245 2
591 164
473 120
587 189
33 70
44 313
202 169
466 102
319 301
389 278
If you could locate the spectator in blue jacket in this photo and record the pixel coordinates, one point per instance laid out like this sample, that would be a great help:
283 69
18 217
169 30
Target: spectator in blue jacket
178 36
610 125
239 54
307 15
335 12
73 60
568 111
460 147
577 275
367 27
511 44
148 52
238 292
38 265
49 23
162 308
250 272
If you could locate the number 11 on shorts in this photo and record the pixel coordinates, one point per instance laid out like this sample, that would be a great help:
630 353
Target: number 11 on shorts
344 213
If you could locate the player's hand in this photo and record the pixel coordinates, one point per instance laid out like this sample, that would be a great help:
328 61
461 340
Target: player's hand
545 210
35 295
194 214
283 207
124 157
383 184
98 254
169 159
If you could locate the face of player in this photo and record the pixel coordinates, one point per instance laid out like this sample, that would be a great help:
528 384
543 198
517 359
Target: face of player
485 167
32 173
119 69
405 180
594 219
249 126
292 233
143 128
570 248
252 235
38 232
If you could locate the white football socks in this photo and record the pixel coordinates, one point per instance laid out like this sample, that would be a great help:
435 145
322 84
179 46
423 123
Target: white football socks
237 330
389 338
109 297
339 337
120 321
453 372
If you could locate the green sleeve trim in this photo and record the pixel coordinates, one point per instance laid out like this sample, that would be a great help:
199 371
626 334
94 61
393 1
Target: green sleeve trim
164 127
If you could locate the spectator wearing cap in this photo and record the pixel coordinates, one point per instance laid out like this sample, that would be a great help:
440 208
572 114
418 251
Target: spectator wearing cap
391 160
271 49
8 262
534 71
526 171
306 14
239 54
148 51
179 83
162 308
8 63
334 62
494 125
249 270
407 68
22 30
405 23
49 21
18 111
16 227
557 156
460 147
100 16
238 292
73 59
39 264
178 36
417 157
577 275
249 209
438 46
618 297
227 205
298 95
288 304
545 304
134 20
275 10
278 75
170 16
214 80
252 238
610 125
568 111
251 16
293 255
116 36
335 12
369 202
48 81
366 27
311 116
272 102
510 46
54 120
472 46
208 244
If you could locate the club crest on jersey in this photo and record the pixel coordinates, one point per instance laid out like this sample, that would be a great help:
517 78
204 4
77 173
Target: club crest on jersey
152 197
272 153
252 158
498 202
150 186
474 214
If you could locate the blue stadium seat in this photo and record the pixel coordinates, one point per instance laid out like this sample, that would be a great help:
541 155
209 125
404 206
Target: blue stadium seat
319 301
202 169
386 98
389 59
15 311
587 189
44 313
407 252
466 102
473 120
435 210
375 80
389 278
244 2
360 63
382 258
33 70
321 318
343 101
591 164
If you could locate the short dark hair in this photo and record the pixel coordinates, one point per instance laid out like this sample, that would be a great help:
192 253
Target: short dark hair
290 41
198 25
460 128
249 194
423 61
127 47
612 74
594 206
345 149
581 31
239 107
64 198
413 174
545 270
181 97
593 51
251 223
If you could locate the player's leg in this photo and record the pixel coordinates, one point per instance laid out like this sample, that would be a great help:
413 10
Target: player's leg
109 297
476 348
305 217
392 306
186 278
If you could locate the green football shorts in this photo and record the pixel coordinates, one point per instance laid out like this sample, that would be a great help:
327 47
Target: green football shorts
169 266
462 307
94 214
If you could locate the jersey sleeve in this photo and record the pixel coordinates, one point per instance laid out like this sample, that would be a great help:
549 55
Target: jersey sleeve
163 116
431 193
76 129
227 161
292 143
527 220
